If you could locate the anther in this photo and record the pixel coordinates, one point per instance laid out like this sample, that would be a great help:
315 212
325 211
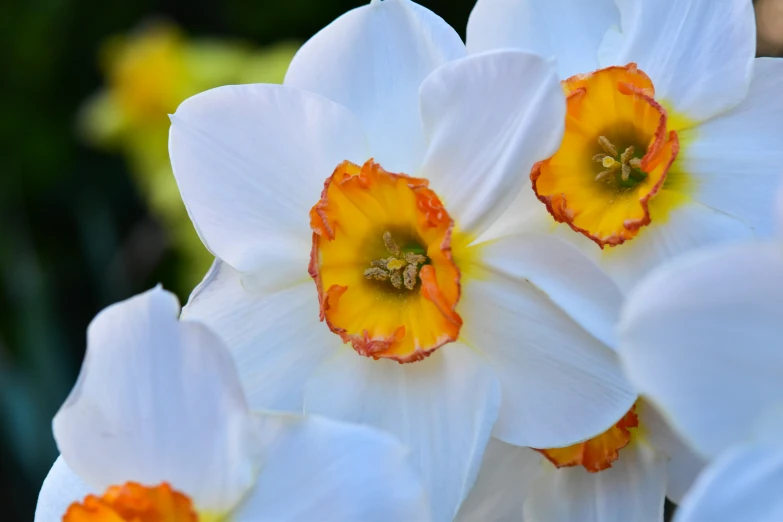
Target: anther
409 275
396 280
391 246
401 268
612 161
607 146
414 259
603 174
376 273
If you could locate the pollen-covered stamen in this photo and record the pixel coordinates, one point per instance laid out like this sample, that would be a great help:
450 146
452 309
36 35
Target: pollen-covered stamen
402 268
626 163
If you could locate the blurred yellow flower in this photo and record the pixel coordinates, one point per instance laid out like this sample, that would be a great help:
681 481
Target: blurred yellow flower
148 72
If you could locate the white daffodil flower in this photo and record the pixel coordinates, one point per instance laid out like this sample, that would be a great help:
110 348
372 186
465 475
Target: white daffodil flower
742 485
701 337
157 429
623 474
673 128
318 173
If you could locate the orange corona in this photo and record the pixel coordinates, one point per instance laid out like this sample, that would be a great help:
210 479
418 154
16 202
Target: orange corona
381 260
614 158
598 453
133 502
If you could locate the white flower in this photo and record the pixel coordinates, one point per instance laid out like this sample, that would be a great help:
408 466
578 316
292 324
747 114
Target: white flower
650 462
742 485
158 421
399 275
677 81
701 337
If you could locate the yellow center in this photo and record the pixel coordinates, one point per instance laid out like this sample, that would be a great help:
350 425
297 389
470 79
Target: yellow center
614 158
133 502
598 453
382 263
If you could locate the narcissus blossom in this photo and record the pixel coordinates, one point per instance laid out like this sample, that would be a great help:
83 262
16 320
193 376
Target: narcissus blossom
157 429
742 485
673 129
344 209
622 474
701 337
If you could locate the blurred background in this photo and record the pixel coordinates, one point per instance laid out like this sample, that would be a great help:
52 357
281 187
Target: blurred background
89 212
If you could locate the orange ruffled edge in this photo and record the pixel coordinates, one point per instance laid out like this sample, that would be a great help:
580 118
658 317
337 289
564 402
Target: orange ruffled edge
432 214
132 502
598 453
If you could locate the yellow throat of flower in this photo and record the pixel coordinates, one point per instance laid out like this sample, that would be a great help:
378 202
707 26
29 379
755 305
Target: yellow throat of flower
614 158
381 260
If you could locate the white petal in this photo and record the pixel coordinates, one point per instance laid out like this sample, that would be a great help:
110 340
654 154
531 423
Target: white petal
158 400
560 384
525 214
442 408
742 485
569 30
631 490
687 228
276 339
502 484
318 469
700 337
61 488
699 54
250 162
568 278
735 159
372 60
488 119
683 465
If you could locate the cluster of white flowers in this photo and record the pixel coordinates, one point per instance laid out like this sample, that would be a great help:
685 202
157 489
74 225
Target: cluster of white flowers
533 277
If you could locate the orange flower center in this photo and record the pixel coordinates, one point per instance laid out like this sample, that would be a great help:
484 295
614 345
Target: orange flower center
614 157
133 502
598 453
381 260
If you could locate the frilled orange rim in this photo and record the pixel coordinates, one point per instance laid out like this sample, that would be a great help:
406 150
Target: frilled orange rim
598 453
599 182
132 502
382 263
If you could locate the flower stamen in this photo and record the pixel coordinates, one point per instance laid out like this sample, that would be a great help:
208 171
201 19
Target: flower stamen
402 268
607 145
612 161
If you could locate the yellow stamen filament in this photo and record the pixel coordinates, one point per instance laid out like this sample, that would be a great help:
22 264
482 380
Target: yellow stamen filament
400 269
